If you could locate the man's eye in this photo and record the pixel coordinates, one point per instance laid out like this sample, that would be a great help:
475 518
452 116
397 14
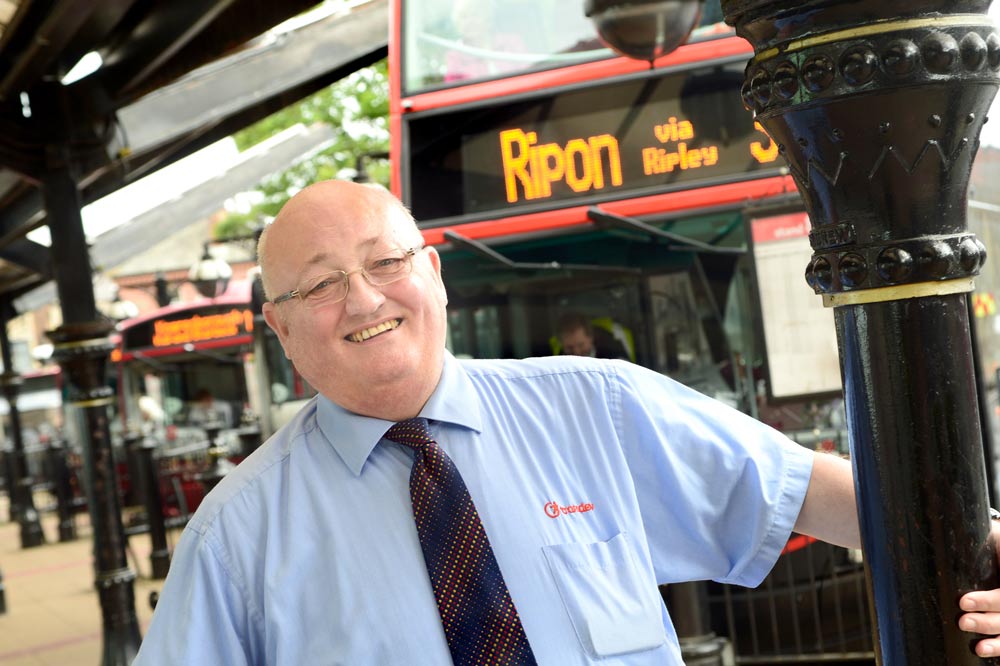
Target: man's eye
322 287
388 262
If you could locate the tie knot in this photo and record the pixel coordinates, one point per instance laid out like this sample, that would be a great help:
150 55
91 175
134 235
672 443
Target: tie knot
411 432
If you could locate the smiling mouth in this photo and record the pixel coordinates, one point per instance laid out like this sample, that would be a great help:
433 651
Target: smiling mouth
369 333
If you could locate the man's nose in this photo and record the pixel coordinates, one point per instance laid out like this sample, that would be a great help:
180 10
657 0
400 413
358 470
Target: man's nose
362 296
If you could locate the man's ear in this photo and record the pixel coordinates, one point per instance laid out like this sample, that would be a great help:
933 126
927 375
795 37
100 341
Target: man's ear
435 259
277 324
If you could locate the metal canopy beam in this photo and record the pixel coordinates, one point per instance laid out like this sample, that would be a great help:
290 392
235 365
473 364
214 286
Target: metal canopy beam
212 103
20 216
127 68
291 63
54 30
30 255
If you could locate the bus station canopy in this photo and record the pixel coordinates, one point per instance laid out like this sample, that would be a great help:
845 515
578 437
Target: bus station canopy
174 77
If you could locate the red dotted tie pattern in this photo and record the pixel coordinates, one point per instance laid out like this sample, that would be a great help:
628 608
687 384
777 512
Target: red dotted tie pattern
480 621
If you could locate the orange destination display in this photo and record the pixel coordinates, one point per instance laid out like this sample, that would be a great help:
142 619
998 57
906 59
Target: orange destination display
218 322
656 131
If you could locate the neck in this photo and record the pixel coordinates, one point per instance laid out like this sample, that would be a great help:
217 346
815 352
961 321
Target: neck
394 402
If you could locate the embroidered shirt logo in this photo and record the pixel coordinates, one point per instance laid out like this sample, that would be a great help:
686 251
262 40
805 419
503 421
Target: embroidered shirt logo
554 509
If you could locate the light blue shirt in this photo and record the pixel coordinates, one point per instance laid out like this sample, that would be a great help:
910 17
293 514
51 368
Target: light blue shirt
595 480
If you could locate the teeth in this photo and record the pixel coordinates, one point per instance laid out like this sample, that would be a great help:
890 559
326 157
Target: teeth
364 334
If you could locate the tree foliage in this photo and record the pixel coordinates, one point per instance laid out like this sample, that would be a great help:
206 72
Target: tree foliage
356 108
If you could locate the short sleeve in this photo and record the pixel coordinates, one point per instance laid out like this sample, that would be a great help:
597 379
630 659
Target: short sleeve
202 604
719 491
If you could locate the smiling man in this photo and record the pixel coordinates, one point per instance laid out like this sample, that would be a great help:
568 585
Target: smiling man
425 510
379 351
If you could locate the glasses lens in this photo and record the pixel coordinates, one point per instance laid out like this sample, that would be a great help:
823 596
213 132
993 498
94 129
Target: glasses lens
324 289
388 268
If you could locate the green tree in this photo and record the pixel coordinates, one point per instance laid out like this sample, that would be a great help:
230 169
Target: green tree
357 110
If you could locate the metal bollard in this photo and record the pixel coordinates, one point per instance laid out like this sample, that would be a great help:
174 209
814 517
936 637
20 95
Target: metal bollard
688 607
3 596
218 467
64 490
160 557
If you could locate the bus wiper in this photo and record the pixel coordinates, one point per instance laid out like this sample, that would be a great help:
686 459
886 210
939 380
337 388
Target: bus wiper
484 250
154 364
215 356
678 242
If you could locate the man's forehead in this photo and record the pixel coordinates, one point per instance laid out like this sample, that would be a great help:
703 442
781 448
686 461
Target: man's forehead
340 246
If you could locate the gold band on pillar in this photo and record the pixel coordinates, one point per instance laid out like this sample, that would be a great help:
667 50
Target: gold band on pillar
899 292
877 28
96 402
78 344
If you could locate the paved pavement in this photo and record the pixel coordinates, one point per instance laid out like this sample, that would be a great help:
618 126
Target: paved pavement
53 614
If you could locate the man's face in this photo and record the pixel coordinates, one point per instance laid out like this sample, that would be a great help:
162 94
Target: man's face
342 226
577 342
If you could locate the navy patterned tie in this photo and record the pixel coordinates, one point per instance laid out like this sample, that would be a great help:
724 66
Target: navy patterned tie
480 621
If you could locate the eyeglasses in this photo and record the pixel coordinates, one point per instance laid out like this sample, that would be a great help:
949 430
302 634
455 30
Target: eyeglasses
333 287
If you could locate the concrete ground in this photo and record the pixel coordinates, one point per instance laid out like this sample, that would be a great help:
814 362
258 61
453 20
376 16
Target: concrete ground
53 614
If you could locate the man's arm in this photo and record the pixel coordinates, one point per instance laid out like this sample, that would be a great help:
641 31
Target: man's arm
829 514
829 511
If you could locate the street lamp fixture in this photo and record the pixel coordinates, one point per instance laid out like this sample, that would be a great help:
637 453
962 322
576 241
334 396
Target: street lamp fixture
120 309
643 29
210 275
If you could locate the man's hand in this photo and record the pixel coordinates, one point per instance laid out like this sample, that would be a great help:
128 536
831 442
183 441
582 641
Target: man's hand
982 611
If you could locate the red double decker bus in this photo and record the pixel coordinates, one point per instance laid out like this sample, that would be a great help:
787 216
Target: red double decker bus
556 178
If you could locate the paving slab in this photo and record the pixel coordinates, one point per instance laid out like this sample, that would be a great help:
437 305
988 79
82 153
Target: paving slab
53 613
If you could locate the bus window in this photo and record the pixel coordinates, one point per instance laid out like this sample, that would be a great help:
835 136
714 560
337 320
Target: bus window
286 384
454 42
680 338
475 332
450 42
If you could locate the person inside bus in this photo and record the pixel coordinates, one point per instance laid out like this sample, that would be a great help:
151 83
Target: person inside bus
578 335
209 411
427 510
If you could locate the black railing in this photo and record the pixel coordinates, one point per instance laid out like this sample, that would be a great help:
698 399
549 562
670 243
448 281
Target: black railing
811 608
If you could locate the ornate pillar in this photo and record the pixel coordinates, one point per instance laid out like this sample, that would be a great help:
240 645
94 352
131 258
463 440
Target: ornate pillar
82 347
877 107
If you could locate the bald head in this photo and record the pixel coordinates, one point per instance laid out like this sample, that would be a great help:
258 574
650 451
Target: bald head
332 204
379 350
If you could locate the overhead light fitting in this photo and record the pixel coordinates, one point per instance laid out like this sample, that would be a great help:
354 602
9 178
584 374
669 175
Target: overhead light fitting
85 66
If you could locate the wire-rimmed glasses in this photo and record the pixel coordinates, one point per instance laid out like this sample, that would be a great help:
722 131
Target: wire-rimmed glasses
334 286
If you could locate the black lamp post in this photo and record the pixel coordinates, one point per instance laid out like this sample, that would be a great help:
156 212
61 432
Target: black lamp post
21 482
877 108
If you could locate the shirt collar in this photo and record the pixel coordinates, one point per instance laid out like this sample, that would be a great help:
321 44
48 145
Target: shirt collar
354 437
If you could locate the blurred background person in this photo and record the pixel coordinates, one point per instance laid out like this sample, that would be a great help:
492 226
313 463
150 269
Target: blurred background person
578 335
208 410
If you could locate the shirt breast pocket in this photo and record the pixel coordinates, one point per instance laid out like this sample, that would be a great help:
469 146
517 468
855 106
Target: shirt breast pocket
614 608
